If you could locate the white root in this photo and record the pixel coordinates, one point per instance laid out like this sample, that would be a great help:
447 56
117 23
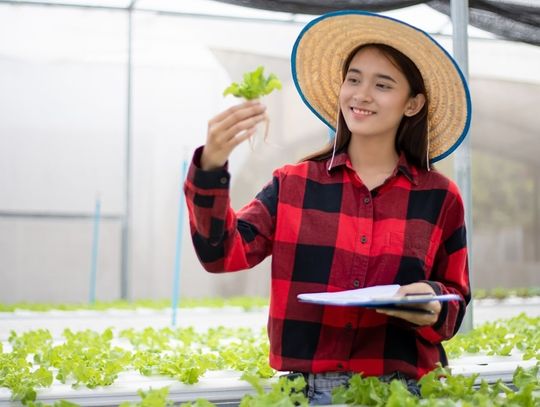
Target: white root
266 128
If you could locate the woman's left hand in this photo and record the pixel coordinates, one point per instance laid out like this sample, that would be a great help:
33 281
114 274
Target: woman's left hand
417 318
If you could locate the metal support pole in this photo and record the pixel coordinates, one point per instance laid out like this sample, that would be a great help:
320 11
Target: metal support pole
94 258
462 157
126 221
179 239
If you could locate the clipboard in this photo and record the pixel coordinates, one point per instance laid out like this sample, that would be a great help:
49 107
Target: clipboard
382 296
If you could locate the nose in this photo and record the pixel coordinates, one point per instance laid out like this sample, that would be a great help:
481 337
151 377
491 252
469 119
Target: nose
362 94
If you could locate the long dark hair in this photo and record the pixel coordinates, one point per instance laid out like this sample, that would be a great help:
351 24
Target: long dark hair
411 137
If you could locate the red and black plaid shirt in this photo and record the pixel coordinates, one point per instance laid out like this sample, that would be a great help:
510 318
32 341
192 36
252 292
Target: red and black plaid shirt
327 232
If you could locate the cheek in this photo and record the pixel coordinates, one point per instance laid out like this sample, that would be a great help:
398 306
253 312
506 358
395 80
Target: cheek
342 97
393 105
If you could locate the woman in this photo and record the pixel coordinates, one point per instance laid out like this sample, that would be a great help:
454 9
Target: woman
366 210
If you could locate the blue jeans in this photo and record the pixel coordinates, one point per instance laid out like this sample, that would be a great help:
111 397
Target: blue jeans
320 385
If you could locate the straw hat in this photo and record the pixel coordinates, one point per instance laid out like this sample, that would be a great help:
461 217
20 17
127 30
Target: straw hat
323 45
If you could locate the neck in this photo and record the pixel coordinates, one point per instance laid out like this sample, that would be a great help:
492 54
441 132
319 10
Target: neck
372 154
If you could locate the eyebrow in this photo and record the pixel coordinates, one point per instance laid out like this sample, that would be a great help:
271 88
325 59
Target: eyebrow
378 75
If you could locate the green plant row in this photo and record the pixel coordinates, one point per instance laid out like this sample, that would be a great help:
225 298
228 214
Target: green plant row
90 359
438 389
499 338
501 293
246 303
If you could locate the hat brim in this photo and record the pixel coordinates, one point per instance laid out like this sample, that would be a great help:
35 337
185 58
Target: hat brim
323 45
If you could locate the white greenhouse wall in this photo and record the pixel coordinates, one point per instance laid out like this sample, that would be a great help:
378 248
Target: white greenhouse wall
63 80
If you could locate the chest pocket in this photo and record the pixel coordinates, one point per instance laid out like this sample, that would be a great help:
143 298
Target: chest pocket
415 248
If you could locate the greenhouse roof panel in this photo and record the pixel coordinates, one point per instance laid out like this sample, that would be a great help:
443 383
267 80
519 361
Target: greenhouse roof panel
82 3
208 7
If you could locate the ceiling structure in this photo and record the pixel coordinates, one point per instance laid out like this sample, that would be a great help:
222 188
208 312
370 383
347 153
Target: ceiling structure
517 20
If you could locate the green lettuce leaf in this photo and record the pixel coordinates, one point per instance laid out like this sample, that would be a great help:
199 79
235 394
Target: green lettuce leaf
254 86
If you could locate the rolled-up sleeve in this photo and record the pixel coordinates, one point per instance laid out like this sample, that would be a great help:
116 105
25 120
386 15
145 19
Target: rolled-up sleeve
450 273
225 240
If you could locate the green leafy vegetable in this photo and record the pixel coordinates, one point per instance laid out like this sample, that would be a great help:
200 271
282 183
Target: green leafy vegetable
59 403
365 391
247 303
283 393
31 360
151 398
198 403
254 86
500 338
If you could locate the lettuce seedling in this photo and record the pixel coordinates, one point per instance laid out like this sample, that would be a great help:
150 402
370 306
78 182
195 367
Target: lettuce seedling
254 86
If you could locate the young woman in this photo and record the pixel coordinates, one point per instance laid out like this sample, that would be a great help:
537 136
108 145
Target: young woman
366 210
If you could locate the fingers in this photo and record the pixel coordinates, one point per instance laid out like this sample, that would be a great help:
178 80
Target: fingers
225 127
235 114
415 288
243 136
420 314
241 126
420 319
228 129
223 115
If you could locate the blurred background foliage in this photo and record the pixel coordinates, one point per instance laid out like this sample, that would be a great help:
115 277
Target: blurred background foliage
503 192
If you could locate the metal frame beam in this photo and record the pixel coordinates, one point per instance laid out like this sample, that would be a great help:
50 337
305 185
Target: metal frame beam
55 215
170 13
126 222
462 155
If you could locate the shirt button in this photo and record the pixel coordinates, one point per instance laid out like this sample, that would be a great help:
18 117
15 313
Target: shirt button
356 283
363 239
340 365
223 180
366 200
348 326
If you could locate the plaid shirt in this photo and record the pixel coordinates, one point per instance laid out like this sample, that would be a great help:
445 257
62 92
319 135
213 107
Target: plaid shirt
327 232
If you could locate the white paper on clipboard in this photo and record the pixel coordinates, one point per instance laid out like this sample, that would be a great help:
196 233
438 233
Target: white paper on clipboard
379 295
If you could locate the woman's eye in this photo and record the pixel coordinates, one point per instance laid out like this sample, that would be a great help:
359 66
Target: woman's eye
353 80
383 86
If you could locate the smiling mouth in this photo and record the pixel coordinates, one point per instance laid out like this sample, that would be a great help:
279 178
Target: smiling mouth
362 112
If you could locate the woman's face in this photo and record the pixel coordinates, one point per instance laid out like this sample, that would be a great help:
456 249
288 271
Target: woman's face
375 95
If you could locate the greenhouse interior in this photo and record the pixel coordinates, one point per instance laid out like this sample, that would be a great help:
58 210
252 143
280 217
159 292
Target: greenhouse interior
104 300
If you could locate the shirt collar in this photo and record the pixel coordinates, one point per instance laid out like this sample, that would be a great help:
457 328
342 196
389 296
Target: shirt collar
403 166
340 158
409 171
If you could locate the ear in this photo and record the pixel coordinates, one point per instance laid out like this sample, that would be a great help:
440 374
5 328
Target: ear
415 104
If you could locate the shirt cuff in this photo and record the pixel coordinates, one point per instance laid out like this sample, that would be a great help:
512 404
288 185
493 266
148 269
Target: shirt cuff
444 305
210 180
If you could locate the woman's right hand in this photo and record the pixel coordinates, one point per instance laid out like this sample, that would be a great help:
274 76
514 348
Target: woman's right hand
227 130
